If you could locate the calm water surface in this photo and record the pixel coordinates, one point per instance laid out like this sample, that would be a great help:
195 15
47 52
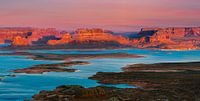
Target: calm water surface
23 86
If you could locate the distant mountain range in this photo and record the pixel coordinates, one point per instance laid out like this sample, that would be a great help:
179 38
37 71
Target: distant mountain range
154 38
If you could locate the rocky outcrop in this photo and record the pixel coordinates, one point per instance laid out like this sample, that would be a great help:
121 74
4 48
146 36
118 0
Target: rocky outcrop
19 41
59 67
89 36
154 82
51 36
160 38
65 39
168 38
11 35
82 35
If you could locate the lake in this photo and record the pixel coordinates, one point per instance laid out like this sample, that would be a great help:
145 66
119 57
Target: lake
23 86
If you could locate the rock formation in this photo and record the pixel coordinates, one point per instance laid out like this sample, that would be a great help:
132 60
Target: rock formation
161 38
11 35
51 36
65 39
88 36
168 38
82 35
19 41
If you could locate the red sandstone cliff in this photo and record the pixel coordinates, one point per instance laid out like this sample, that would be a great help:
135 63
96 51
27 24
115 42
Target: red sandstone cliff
30 34
89 35
65 39
82 35
10 33
19 41
50 36
162 38
168 38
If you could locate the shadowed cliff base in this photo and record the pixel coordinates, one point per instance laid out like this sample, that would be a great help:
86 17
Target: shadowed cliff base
46 56
72 45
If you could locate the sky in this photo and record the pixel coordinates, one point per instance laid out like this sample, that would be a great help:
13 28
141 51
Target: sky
117 15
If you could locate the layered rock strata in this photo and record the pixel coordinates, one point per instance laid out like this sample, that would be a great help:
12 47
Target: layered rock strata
168 38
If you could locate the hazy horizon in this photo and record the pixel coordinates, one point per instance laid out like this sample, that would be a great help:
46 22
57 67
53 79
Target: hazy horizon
118 15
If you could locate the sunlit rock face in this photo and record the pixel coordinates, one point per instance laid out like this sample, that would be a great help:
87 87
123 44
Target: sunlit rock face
83 35
51 36
19 41
162 38
65 39
89 36
168 38
11 33
41 36
29 34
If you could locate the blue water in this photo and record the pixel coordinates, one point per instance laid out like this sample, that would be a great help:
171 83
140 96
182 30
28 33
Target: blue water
23 86
4 45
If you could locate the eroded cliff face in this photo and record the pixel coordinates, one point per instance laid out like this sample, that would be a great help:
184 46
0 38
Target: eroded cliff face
168 38
83 35
50 36
20 41
8 34
87 36
16 35
161 38
65 39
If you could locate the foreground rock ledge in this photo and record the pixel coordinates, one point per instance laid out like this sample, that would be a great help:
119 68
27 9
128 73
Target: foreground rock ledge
59 67
152 76
179 85
171 81
79 93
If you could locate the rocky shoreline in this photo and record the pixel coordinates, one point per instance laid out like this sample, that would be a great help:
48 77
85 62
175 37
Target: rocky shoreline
59 67
79 93
158 83
163 67
150 75
46 56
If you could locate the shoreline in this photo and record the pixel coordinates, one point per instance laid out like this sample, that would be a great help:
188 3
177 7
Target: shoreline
152 86
48 56
144 73
75 48
57 67
146 69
